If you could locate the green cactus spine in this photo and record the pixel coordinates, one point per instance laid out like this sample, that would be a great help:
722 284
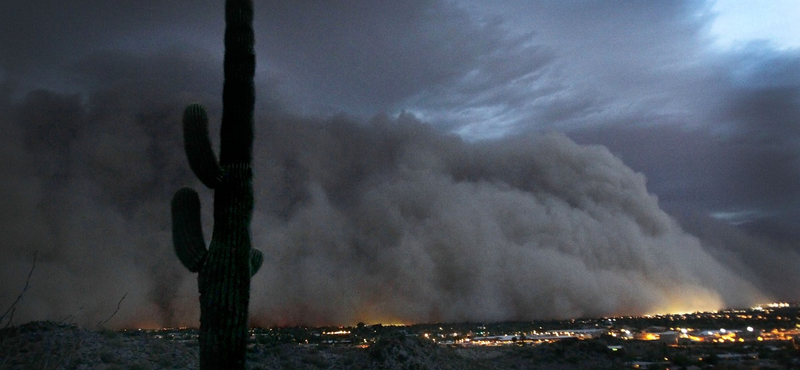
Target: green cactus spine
225 268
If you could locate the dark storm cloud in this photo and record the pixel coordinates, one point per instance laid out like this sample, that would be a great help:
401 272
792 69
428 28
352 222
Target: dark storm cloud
87 177
393 214
366 57
768 263
381 221
326 56
760 116
43 39
567 65
457 65
739 159
393 219
708 181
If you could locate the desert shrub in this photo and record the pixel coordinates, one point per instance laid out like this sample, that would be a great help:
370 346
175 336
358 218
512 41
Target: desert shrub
273 350
164 360
139 365
160 346
108 333
76 362
288 365
107 356
314 359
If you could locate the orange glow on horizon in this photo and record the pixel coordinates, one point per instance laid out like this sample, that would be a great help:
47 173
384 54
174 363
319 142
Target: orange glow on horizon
146 325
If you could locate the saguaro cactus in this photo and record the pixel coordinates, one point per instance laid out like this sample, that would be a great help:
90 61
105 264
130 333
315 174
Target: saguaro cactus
225 268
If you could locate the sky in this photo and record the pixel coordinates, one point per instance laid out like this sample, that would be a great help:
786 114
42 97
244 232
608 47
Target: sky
414 161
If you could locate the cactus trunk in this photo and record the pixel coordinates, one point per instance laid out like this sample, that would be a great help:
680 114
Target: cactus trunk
225 268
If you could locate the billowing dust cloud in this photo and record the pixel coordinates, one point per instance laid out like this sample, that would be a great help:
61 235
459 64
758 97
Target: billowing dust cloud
385 221
393 222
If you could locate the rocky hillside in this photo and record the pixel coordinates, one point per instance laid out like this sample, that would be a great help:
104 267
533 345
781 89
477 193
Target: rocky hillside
48 345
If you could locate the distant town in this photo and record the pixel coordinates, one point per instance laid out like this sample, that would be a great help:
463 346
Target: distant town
761 337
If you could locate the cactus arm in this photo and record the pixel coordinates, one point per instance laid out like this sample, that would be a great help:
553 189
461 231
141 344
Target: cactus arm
187 231
256 259
198 146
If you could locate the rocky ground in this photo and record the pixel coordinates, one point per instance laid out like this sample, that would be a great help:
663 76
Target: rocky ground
48 345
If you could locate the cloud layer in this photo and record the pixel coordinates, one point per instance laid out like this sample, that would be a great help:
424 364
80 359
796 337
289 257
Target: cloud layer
395 221
383 221
578 125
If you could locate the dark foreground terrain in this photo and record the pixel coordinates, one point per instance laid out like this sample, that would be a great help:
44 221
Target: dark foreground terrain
48 345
